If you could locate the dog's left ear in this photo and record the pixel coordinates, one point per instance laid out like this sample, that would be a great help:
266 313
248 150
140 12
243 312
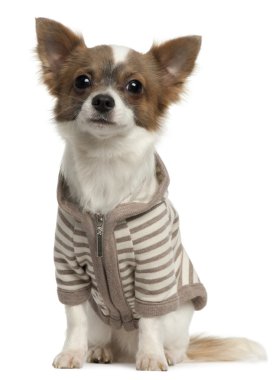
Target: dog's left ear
176 59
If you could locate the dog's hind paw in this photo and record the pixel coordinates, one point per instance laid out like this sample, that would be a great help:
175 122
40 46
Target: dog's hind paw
99 354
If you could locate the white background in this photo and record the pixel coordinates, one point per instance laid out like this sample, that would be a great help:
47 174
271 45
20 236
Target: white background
221 148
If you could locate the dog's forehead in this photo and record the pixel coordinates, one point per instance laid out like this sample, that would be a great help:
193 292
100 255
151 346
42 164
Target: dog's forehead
120 54
112 55
112 60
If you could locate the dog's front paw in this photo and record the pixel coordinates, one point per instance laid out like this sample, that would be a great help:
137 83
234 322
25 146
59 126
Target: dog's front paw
69 359
151 362
99 354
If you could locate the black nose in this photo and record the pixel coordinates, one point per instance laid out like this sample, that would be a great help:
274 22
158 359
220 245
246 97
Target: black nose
103 103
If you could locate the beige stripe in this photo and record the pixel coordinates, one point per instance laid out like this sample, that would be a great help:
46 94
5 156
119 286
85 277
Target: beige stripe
155 280
80 239
66 264
157 274
156 285
128 275
153 224
195 277
152 234
81 254
78 275
76 268
82 250
71 283
178 271
61 232
152 247
64 245
59 266
125 250
178 252
157 269
158 263
65 220
129 261
130 295
126 268
154 258
129 286
124 245
64 233
148 222
60 252
191 269
59 260
127 256
139 289
81 245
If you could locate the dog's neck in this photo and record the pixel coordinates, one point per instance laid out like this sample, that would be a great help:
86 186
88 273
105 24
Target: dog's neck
104 173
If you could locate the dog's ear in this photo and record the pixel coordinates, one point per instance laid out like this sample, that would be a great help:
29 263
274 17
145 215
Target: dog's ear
55 44
176 59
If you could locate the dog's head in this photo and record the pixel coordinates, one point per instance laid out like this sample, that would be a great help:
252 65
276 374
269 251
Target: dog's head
108 90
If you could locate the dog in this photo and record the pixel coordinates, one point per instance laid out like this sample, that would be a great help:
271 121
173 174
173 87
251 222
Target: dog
129 287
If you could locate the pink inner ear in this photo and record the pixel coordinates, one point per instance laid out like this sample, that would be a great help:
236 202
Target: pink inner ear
173 70
55 58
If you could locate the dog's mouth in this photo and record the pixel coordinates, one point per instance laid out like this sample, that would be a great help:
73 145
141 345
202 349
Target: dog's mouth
101 121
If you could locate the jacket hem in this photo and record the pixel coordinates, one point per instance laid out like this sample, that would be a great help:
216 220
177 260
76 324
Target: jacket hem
112 321
74 298
195 293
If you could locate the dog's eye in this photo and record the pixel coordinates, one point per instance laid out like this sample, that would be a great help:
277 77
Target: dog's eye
82 82
134 86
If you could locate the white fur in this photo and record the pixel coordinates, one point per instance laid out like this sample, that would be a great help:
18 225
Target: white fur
120 54
75 347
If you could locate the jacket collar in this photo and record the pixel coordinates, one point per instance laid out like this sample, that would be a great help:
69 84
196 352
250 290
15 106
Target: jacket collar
123 210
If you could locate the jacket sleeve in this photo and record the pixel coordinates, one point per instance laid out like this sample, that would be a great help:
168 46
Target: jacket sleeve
73 283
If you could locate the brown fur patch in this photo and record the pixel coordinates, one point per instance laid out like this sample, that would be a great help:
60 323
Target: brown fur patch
97 64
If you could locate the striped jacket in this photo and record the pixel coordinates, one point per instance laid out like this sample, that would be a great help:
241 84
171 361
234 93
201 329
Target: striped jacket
128 263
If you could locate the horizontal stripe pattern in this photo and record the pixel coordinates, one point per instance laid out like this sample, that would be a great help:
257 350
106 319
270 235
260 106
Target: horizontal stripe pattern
152 263
73 262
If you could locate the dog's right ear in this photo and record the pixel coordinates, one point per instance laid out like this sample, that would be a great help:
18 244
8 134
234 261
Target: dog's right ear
55 43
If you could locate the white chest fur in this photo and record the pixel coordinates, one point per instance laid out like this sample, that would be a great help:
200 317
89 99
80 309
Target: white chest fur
106 173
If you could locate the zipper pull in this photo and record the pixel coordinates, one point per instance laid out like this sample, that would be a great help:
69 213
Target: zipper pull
99 234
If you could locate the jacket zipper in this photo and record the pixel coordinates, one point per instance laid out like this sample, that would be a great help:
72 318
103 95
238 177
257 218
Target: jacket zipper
100 221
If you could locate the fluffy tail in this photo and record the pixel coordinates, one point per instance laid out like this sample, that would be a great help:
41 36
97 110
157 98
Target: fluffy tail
213 349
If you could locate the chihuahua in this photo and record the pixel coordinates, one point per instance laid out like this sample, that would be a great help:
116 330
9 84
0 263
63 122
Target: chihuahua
128 285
